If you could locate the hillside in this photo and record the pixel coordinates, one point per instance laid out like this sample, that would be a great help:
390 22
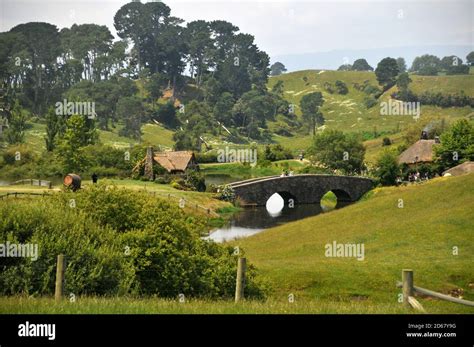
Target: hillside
436 216
342 112
348 112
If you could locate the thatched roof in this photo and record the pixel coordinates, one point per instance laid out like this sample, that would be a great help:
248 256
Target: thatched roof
461 169
174 161
420 152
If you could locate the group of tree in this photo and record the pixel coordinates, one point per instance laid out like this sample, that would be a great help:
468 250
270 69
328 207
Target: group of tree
41 65
431 65
358 65
338 151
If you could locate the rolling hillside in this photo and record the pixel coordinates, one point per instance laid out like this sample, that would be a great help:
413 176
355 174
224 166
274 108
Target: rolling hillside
343 112
348 112
436 217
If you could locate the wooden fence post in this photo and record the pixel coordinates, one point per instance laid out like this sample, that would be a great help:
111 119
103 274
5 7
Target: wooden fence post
60 267
407 285
240 282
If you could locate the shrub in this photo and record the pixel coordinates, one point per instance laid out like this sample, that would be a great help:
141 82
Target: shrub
370 102
341 87
226 193
387 167
386 141
116 241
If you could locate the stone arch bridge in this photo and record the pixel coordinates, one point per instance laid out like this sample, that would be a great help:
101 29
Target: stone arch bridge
303 189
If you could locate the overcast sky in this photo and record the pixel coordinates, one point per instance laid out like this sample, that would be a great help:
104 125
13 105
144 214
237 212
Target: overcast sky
285 27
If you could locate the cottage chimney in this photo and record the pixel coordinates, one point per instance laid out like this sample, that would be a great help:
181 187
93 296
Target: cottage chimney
149 164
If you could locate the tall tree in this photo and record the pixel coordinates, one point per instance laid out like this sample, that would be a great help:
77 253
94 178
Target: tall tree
277 69
402 66
361 65
470 58
338 151
386 72
15 134
457 145
79 133
426 65
41 42
130 110
310 104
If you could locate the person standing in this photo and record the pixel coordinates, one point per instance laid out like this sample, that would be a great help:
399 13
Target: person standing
94 178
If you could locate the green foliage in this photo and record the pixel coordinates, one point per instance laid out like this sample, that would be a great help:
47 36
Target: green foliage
470 58
15 133
226 193
276 152
457 145
402 66
130 109
387 168
206 157
79 133
116 242
167 115
386 141
310 105
195 181
95 261
361 65
341 87
370 102
338 151
277 69
52 129
345 67
426 65
386 72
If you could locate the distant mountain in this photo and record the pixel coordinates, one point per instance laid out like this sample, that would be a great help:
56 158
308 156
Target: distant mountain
331 60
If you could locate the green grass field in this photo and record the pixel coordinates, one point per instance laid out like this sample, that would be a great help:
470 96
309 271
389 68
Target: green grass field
192 197
436 217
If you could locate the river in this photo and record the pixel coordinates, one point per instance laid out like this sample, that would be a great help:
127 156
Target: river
252 220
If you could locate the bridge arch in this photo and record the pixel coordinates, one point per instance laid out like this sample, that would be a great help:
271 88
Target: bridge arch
342 197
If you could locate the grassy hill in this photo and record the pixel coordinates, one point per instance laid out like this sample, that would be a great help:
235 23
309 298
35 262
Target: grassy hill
436 217
348 112
343 112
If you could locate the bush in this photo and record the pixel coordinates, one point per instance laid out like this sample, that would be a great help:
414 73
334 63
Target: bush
207 157
386 141
387 168
226 193
341 87
195 181
116 241
370 102
276 152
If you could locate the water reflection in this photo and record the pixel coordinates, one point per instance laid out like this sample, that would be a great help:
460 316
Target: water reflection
253 220
275 205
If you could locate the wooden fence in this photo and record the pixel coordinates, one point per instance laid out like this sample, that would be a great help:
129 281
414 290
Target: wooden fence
17 194
61 270
409 289
34 182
